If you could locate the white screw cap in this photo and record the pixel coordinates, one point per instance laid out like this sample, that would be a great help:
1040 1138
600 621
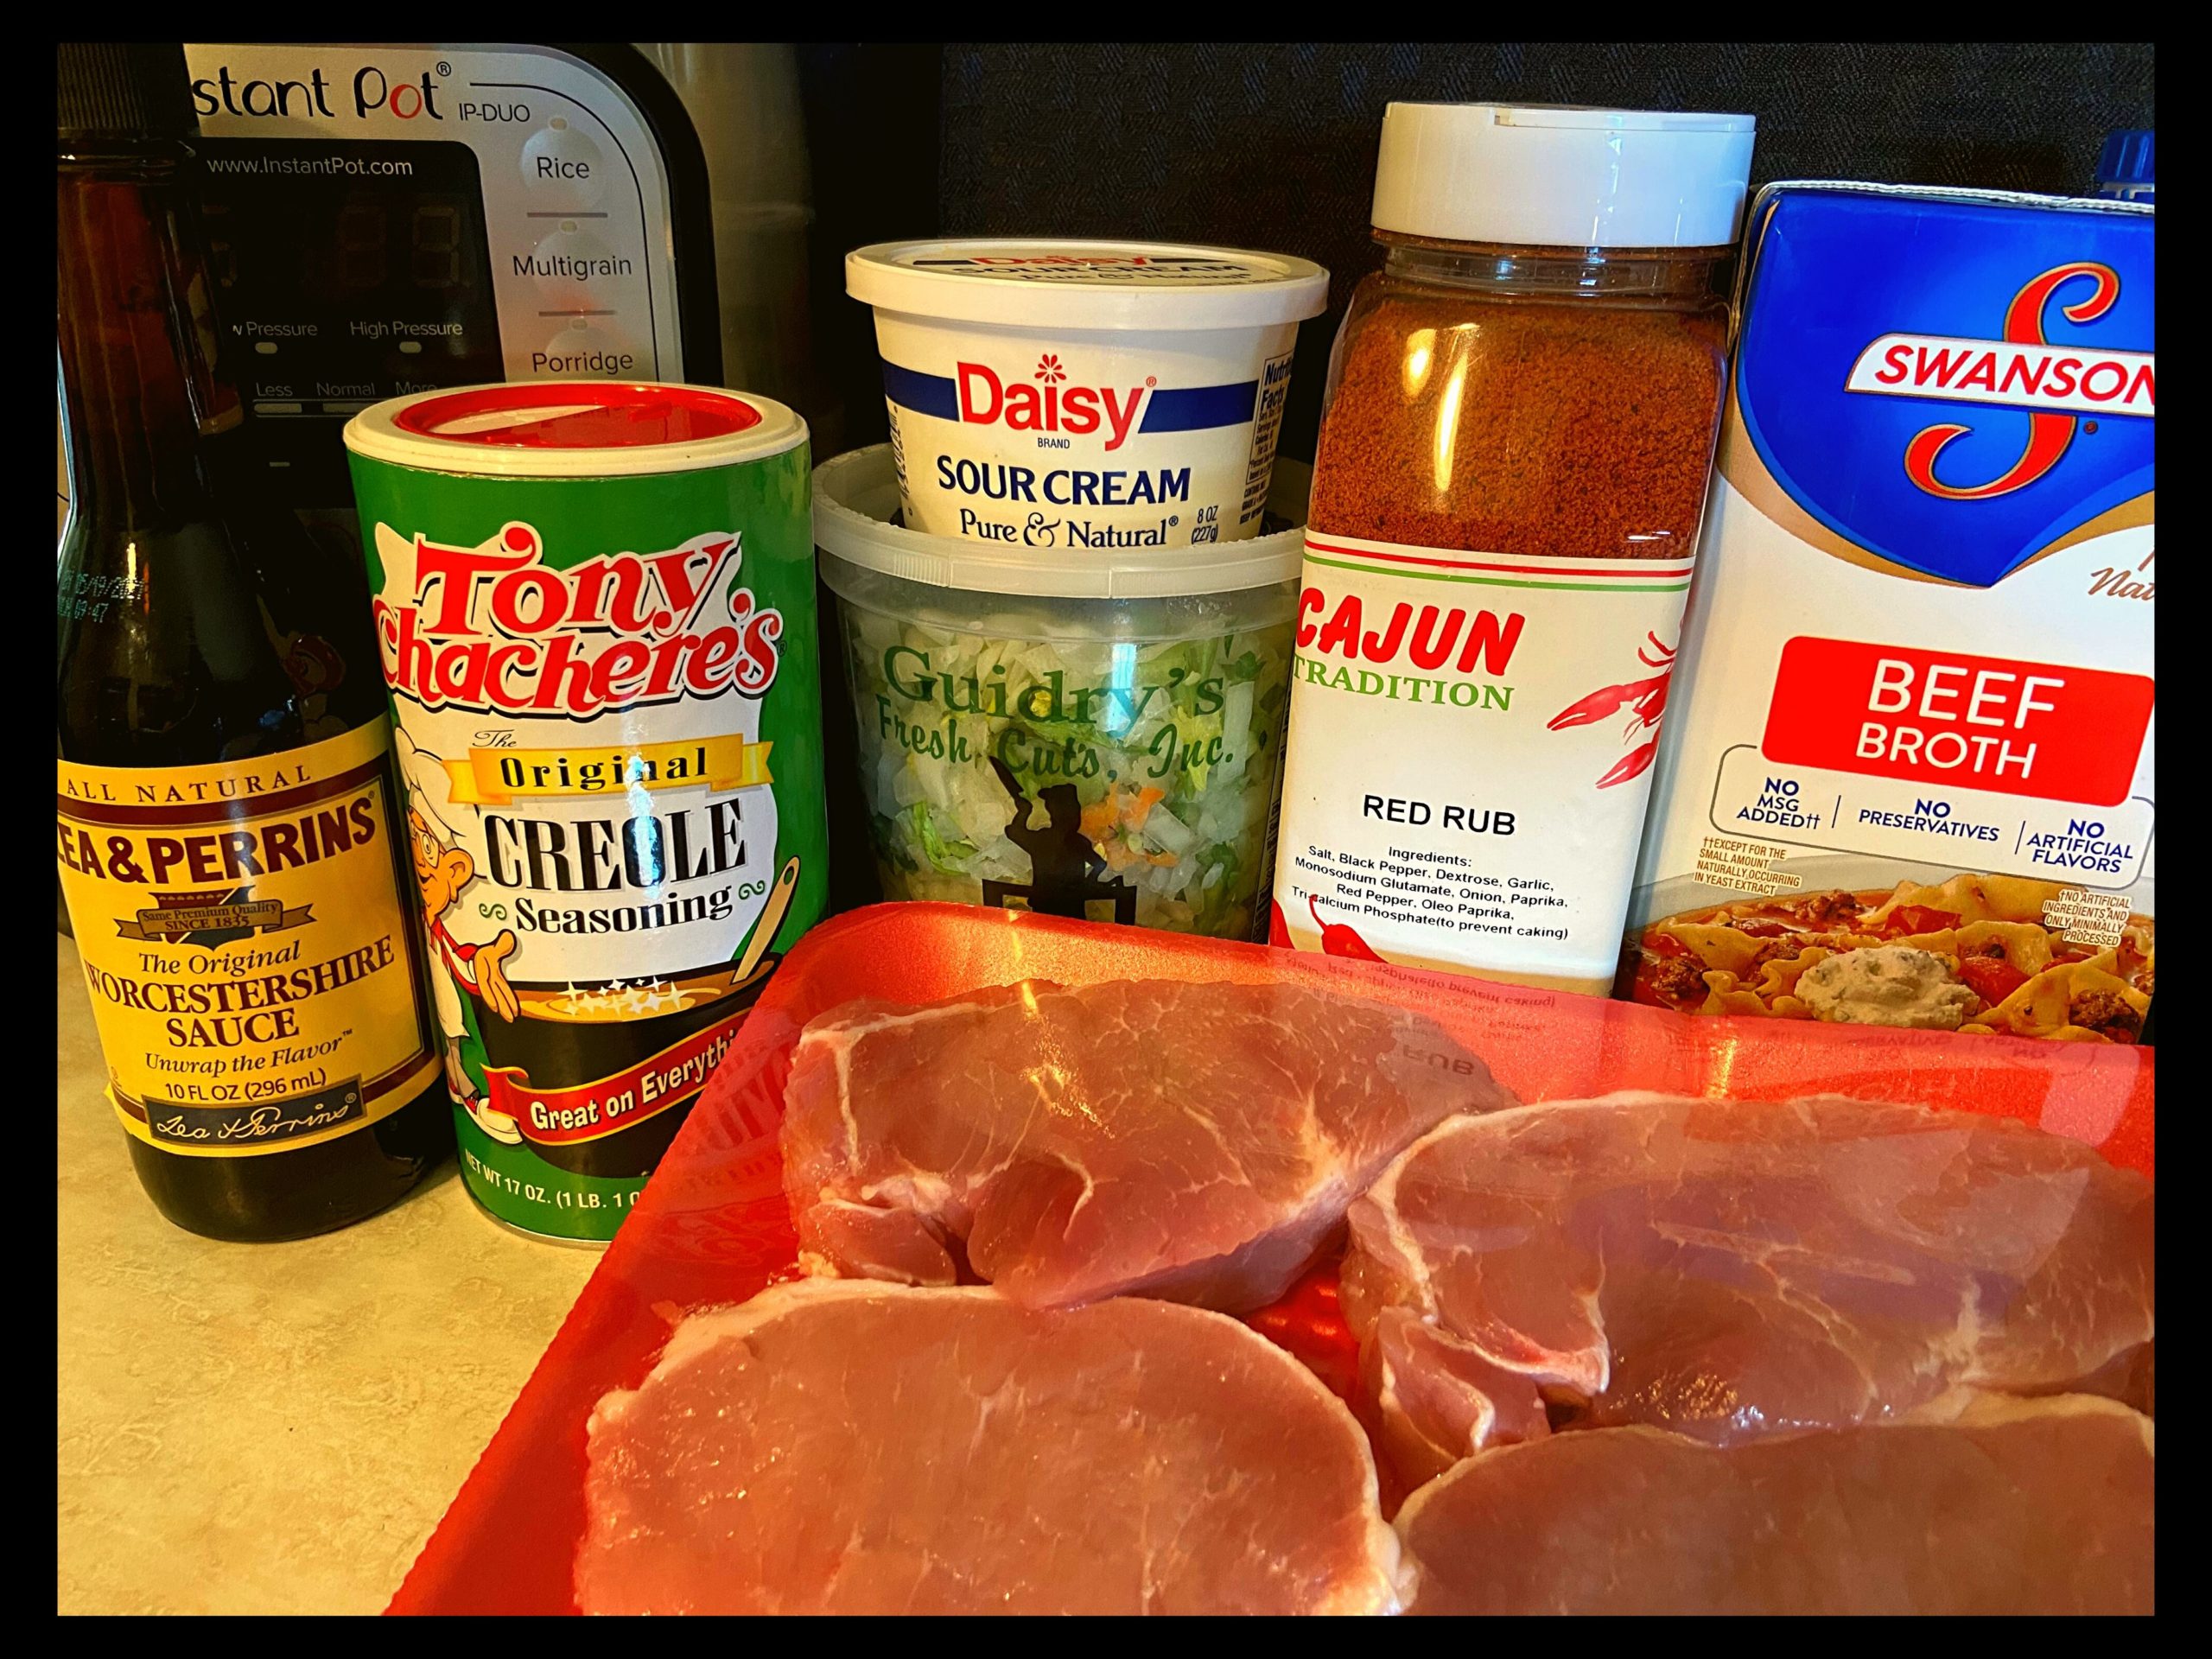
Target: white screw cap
1550 176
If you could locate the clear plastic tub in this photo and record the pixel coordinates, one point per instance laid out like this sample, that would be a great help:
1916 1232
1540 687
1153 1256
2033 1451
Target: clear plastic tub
1099 739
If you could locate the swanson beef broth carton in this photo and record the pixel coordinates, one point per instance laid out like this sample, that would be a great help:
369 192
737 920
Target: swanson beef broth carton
1907 774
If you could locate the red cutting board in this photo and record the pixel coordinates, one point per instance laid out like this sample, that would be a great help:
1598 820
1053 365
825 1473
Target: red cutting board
712 1227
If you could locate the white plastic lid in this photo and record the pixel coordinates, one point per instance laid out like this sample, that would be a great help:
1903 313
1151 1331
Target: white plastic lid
1550 176
573 428
1069 284
856 495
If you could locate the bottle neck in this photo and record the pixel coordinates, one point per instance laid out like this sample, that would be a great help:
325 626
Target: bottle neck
135 339
1600 276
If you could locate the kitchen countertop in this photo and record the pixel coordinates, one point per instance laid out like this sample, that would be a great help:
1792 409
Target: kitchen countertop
268 1429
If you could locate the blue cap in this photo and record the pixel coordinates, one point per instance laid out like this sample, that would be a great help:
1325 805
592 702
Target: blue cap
2127 168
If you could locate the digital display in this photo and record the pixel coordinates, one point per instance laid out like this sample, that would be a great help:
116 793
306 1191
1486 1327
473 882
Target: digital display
410 246
347 273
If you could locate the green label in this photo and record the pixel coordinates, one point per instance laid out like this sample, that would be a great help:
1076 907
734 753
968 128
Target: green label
609 726
524 1190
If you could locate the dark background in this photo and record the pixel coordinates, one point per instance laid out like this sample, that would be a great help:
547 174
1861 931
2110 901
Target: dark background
1273 146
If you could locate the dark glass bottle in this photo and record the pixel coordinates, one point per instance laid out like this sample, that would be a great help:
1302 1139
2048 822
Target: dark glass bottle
224 805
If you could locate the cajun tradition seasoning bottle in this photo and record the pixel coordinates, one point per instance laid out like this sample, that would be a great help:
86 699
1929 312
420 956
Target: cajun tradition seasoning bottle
1518 428
224 805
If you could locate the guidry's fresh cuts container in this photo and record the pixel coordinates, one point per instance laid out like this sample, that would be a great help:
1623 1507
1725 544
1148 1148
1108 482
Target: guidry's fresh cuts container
1082 396
1096 738
595 603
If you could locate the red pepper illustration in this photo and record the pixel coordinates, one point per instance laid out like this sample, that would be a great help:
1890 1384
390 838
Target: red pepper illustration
1645 699
1338 940
1278 924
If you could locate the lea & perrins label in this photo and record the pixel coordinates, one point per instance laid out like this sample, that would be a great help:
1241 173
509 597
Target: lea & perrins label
252 969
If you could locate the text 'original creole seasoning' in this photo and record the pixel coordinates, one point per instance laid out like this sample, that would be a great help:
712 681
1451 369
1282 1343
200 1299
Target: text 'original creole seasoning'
1911 780
1084 396
1513 455
595 607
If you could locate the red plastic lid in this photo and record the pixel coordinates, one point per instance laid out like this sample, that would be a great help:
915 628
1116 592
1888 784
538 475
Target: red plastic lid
573 428
579 414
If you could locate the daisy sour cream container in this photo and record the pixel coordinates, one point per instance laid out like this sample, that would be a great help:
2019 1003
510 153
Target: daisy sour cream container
1063 396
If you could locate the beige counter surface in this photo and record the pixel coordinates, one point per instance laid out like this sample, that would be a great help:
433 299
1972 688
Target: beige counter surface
268 1428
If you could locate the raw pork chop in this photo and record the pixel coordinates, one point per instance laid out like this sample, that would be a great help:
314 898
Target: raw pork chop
1194 1143
1727 1268
2041 1506
851 1447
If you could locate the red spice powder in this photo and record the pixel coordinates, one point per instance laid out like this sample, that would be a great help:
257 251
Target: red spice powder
1577 427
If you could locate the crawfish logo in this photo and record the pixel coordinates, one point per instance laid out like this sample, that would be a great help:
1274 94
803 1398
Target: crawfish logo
1645 699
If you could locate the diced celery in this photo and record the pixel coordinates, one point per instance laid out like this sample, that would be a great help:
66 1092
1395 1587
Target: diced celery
940 821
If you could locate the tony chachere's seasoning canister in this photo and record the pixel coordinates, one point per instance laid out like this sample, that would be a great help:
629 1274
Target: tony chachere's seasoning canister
1064 399
595 607
1513 453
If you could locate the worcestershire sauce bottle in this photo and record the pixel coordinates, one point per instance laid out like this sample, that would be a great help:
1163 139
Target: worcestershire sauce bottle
224 803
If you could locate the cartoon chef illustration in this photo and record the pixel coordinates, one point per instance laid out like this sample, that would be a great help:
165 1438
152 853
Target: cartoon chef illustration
442 869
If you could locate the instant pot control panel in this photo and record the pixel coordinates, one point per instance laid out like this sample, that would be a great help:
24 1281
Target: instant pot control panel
383 219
